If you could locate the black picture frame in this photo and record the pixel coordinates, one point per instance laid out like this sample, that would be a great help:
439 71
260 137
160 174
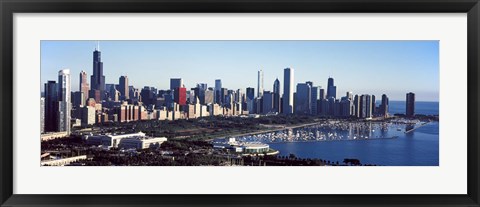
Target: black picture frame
10 7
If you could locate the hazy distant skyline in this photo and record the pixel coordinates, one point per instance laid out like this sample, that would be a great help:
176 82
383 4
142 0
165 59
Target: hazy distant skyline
363 67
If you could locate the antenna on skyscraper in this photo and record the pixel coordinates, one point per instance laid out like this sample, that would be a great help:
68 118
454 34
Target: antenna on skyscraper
98 46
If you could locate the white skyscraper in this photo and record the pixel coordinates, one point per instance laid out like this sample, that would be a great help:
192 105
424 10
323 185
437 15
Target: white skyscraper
260 84
288 90
64 100
239 96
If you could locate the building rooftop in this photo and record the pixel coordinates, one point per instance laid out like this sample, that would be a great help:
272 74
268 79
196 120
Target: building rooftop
254 144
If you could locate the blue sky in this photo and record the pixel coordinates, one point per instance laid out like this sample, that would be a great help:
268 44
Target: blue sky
363 67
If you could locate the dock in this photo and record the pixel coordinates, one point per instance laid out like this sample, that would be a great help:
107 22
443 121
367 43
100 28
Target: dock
415 128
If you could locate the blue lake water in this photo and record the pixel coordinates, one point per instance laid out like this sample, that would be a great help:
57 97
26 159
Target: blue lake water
417 148
421 107
372 143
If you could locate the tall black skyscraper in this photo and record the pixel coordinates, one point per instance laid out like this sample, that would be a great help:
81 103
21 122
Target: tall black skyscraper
384 106
97 81
218 89
374 105
410 112
250 100
51 106
356 103
322 94
176 83
123 86
276 95
331 89
288 81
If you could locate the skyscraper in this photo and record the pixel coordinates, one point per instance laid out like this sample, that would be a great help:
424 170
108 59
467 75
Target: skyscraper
363 106
288 78
384 106
115 94
410 108
260 83
303 99
180 96
78 100
200 91
218 84
218 88
356 103
326 107
251 100
322 94
314 100
228 100
148 95
369 106
64 100
109 88
97 81
231 98
84 86
134 94
175 83
276 96
209 96
374 105
223 94
193 95
51 106
346 107
123 88
239 96
267 102
331 89
88 115
202 86
349 96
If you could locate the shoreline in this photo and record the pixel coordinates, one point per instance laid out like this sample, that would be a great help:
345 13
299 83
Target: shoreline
335 140
284 127
280 127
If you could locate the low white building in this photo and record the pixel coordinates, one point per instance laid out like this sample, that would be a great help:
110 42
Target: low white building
126 141
255 147
242 147
143 143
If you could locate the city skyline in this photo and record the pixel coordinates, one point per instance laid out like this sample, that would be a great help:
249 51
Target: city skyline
425 56
225 125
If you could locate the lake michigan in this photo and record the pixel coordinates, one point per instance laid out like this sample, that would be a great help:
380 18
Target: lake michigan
382 144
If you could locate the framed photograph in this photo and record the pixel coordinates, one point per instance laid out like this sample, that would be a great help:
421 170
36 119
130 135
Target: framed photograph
239 103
